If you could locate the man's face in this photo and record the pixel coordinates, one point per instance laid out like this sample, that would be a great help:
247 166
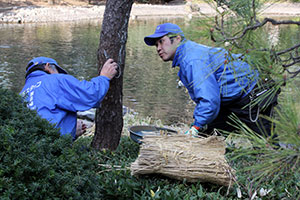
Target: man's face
166 49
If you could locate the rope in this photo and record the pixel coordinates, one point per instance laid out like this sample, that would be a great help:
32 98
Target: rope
250 113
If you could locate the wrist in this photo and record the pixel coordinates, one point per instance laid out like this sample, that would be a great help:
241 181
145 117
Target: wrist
197 127
104 77
201 128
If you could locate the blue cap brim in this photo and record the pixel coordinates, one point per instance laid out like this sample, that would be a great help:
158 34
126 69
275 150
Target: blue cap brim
46 60
151 39
61 70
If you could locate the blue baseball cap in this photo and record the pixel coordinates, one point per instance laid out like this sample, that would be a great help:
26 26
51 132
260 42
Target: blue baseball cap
43 60
162 30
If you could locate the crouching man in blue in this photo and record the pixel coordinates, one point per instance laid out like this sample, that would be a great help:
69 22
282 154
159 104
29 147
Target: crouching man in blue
57 96
218 84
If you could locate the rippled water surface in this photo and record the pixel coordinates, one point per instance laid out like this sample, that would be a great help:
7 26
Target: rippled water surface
150 85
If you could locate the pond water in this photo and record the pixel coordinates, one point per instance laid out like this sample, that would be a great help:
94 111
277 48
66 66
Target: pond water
150 85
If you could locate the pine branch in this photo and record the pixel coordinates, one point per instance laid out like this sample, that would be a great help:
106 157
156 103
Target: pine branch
261 24
292 60
289 49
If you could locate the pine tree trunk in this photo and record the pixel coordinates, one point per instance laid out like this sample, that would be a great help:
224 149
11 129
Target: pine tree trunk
113 37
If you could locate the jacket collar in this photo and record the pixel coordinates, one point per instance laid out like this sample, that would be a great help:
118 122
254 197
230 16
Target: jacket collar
36 73
178 53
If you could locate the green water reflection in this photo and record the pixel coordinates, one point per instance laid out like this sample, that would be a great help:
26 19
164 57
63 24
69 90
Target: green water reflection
150 86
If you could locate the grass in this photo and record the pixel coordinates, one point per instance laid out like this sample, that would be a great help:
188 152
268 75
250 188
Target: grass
114 168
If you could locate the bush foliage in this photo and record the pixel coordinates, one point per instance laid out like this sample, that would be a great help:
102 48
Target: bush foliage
37 163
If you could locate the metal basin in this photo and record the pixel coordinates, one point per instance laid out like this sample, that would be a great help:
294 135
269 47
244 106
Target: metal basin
137 132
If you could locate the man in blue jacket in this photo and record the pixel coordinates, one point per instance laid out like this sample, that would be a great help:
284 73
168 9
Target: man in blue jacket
220 84
57 96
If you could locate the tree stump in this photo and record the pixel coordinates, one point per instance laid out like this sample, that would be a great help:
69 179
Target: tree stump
184 157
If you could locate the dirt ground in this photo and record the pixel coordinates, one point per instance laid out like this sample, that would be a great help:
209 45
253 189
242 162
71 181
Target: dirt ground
24 3
11 3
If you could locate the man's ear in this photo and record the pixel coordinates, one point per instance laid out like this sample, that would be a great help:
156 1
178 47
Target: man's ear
178 39
47 68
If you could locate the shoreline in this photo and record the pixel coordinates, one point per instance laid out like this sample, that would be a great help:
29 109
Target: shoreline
65 13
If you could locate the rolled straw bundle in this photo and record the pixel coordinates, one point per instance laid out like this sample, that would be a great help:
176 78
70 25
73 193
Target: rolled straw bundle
184 157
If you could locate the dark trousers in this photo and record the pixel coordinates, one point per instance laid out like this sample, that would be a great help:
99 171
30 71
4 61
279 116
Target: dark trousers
248 116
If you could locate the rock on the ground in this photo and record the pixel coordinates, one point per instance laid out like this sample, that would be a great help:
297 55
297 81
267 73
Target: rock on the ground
90 114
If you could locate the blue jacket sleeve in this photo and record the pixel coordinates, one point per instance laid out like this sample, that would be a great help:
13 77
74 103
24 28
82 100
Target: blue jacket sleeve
204 91
75 95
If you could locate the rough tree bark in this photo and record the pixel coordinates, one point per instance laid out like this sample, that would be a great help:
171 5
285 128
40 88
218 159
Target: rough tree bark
113 37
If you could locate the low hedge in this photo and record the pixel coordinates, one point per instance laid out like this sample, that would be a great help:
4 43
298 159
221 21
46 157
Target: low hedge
37 163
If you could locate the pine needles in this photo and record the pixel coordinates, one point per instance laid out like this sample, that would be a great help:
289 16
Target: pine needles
271 158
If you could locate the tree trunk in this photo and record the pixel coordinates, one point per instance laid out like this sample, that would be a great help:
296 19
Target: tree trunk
113 37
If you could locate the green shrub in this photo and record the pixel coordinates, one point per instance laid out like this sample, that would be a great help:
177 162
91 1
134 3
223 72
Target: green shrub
117 182
36 162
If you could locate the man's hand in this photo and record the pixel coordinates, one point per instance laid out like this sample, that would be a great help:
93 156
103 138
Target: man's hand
193 132
109 69
80 128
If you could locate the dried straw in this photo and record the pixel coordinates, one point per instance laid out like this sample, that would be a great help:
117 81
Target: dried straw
184 157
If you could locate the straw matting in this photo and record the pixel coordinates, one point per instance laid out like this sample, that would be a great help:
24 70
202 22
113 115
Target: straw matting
184 157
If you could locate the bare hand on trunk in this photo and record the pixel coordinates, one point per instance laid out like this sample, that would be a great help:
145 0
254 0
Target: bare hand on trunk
109 69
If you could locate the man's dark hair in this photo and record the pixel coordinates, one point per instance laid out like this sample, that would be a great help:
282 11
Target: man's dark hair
172 36
40 67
